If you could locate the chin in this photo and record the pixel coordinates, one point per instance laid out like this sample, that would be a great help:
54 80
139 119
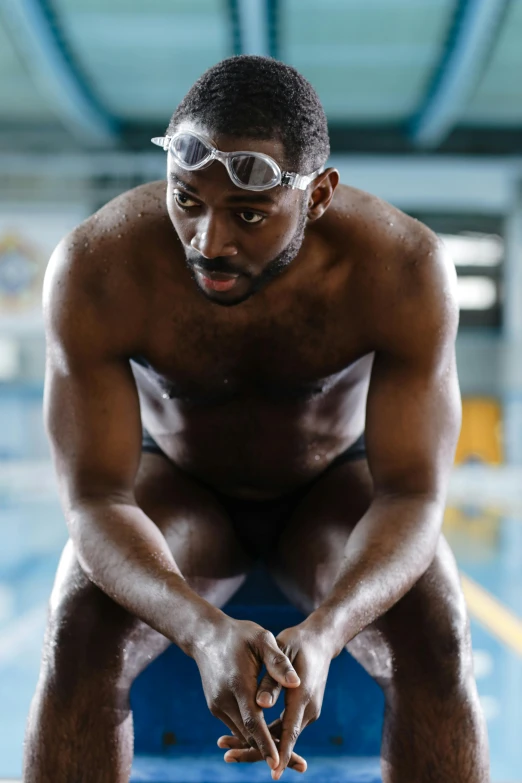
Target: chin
232 302
225 300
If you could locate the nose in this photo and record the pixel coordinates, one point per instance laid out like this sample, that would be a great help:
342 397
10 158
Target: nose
213 239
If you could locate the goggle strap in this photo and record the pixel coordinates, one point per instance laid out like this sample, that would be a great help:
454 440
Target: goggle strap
299 181
162 141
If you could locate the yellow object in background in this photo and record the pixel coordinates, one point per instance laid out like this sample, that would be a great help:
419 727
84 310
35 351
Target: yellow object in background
481 434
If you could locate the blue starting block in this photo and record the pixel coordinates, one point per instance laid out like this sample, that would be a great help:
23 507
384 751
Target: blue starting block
175 734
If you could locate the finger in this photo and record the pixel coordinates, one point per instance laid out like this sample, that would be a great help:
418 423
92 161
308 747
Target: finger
254 725
231 724
227 743
268 691
232 741
291 728
275 728
251 755
245 755
297 762
278 664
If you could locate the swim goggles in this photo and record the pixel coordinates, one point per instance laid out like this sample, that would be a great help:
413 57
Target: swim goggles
248 170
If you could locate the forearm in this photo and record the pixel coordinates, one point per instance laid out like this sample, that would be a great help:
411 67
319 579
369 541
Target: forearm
125 555
388 551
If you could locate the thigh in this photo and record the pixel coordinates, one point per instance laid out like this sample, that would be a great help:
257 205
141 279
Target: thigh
414 638
88 631
310 549
196 527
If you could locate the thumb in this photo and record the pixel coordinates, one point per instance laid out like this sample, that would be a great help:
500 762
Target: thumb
279 666
268 691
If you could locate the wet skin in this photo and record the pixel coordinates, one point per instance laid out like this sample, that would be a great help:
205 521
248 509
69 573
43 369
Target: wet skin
253 391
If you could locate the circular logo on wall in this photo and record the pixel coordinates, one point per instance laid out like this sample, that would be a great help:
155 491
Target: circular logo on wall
21 274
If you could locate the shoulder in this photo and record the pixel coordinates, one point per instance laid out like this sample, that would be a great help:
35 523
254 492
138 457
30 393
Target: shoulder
403 276
418 294
97 275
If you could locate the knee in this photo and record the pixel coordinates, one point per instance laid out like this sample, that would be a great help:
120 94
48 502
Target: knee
449 656
84 647
439 657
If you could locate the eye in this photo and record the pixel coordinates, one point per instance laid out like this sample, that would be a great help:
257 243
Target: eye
251 217
183 201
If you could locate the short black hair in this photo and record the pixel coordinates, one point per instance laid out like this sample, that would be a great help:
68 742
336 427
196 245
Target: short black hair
260 98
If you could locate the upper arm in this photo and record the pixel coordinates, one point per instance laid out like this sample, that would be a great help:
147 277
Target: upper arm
91 404
413 408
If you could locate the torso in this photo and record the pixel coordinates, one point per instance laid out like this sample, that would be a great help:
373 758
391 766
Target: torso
258 398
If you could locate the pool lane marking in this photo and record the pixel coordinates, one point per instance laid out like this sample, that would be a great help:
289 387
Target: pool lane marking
500 621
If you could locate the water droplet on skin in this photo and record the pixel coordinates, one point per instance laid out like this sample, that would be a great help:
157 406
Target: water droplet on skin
390 222
119 236
317 456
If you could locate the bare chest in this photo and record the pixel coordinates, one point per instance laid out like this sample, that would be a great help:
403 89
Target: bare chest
279 349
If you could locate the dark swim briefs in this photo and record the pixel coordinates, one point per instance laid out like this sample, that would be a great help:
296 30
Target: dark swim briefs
249 517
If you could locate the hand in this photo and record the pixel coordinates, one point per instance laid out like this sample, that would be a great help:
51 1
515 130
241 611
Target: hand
251 755
229 666
311 655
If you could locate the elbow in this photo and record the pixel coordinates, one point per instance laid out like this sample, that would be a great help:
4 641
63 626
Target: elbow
417 519
428 534
94 524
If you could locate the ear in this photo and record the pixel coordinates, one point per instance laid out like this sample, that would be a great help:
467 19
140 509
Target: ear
321 193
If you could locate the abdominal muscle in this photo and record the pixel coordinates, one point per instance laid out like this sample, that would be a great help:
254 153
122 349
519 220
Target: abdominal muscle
255 448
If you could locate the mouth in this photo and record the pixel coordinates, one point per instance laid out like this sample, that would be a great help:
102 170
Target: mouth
216 281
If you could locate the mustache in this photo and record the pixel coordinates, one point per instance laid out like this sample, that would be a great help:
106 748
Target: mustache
218 264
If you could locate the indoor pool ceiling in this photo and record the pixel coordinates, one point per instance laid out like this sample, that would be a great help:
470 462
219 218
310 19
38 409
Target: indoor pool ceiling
393 75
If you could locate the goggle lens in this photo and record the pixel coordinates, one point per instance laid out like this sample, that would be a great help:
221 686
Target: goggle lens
189 150
248 170
252 171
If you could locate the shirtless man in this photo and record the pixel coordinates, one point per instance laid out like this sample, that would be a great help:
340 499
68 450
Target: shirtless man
257 324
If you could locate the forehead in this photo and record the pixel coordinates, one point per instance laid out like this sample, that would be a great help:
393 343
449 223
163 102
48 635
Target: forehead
272 147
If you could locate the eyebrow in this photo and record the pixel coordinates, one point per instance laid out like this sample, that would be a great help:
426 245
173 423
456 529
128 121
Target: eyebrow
239 198
177 181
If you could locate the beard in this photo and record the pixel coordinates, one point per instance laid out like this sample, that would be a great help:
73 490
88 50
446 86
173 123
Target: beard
272 269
